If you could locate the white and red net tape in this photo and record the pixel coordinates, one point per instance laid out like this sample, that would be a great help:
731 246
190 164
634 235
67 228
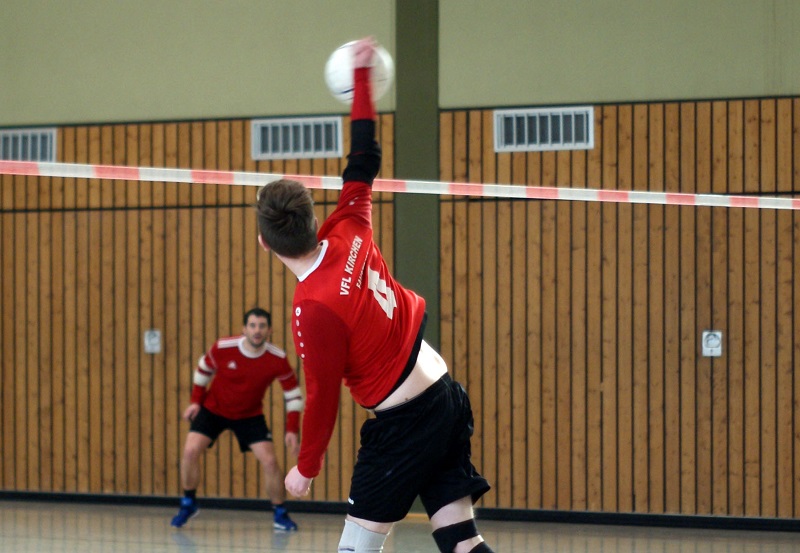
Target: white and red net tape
203 176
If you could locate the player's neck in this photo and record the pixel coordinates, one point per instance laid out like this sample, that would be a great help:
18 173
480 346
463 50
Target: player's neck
300 265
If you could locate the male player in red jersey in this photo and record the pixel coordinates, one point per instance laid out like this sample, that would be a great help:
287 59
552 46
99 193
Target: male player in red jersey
242 368
353 322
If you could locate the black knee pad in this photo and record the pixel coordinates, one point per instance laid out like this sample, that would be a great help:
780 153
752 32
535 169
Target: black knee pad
448 537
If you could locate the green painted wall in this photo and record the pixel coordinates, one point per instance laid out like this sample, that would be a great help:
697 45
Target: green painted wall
80 61
531 52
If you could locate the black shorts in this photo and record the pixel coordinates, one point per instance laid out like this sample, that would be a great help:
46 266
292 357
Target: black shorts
420 448
248 431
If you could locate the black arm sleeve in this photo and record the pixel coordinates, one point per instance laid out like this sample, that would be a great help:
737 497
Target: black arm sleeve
364 160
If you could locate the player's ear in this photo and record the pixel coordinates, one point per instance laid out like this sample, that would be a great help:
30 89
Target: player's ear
316 224
263 244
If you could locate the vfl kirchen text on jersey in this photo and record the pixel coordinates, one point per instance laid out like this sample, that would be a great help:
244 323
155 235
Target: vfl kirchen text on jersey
349 267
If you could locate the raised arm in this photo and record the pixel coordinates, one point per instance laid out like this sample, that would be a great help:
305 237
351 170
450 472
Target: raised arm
364 160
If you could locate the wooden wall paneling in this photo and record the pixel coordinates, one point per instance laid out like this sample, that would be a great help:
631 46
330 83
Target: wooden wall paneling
687 348
5 370
129 435
30 333
70 328
795 326
141 457
475 315
171 132
563 336
231 157
159 418
704 476
447 226
477 311
577 331
519 341
20 273
218 314
174 314
551 318
752 317
735 309
640 312
8 393
624 310
236 162
533 362
56 368
47 198
505 339
82 326
43 322
101 416
7 305
487 390
190 340
671 313
462 299
785 480
110 301
6 293
251 284
588 397
488 361
81 310
125 268
594 393
202 281
608 316
717 318
768 309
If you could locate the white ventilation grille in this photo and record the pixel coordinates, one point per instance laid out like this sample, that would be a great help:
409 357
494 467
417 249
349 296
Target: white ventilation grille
28 145
308 137
527 130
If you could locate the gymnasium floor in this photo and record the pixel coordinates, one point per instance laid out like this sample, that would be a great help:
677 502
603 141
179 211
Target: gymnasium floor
30 527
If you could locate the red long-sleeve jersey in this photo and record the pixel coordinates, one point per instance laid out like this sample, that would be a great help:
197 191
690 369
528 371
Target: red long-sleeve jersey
352 322
241 378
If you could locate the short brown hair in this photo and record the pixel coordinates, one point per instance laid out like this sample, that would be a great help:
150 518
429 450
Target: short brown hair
286 219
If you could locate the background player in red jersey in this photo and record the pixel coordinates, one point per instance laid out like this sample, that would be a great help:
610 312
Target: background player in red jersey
353 322
240 369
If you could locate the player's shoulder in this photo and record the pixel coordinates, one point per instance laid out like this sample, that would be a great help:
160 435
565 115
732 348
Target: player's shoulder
228 342
272 349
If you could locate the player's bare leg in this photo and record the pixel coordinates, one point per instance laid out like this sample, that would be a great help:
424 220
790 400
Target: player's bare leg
273 478
196 445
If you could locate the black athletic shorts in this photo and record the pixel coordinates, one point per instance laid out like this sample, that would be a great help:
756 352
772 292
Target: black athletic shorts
421 447
248 431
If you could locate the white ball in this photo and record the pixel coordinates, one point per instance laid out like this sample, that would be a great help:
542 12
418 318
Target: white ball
339 72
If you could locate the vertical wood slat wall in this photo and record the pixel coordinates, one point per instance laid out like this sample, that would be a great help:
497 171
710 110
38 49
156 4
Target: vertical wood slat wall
576 326
88 265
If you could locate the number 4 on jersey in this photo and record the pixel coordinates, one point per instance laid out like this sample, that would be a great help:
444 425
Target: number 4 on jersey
382 293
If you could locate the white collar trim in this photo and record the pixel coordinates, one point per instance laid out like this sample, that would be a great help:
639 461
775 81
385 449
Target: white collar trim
247 353
317 262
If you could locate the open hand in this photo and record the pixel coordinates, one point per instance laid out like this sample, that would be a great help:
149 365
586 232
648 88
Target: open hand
363 52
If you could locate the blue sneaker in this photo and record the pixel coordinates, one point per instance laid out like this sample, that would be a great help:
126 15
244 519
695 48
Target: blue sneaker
189 509
282 520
